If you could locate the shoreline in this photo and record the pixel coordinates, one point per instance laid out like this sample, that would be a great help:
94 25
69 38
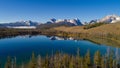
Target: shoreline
78 36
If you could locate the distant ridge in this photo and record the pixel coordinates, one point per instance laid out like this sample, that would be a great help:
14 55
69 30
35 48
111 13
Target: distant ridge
61 22
107 19
70 21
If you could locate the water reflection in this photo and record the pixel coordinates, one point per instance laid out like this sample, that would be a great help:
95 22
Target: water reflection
14 36
22 46
96 40
60 38
109 50
26 36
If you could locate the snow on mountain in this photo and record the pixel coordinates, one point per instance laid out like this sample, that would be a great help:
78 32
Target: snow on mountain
75 21
110 19
21 23
60 21
93 21
106 19
71 22
66 21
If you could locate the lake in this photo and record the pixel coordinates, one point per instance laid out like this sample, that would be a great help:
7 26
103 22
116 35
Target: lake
22 47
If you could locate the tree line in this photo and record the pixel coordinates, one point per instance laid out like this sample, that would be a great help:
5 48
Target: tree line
60 60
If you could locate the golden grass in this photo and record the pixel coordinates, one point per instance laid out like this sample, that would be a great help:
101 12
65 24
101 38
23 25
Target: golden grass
103 31
107 28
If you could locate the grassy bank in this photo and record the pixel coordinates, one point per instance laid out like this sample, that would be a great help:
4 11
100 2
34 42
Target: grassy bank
108 34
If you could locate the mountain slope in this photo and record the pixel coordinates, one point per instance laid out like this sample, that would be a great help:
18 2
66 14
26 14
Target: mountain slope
52 25
108 34
107 28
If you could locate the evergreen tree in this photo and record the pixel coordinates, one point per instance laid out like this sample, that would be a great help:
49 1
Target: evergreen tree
97 59
47 62
114 64
102 62
78 60
82 63
14 62
87 58
111 60
57 60
71 62
8 63
39 62
32 63
22 66
65 62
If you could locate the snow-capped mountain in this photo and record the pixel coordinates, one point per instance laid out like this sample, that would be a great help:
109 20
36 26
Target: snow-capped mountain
21 23
110 19
62 22
106 19
75 22
93 21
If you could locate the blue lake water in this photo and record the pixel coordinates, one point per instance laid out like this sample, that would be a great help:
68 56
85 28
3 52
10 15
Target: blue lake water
23 46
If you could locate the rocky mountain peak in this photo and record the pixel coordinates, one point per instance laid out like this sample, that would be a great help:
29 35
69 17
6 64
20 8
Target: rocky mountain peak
110 19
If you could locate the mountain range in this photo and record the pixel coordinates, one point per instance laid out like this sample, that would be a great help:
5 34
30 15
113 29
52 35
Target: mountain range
21 23
107 19
75 22
60 22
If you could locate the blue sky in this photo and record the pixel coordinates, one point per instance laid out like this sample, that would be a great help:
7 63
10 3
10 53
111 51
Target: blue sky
43 10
